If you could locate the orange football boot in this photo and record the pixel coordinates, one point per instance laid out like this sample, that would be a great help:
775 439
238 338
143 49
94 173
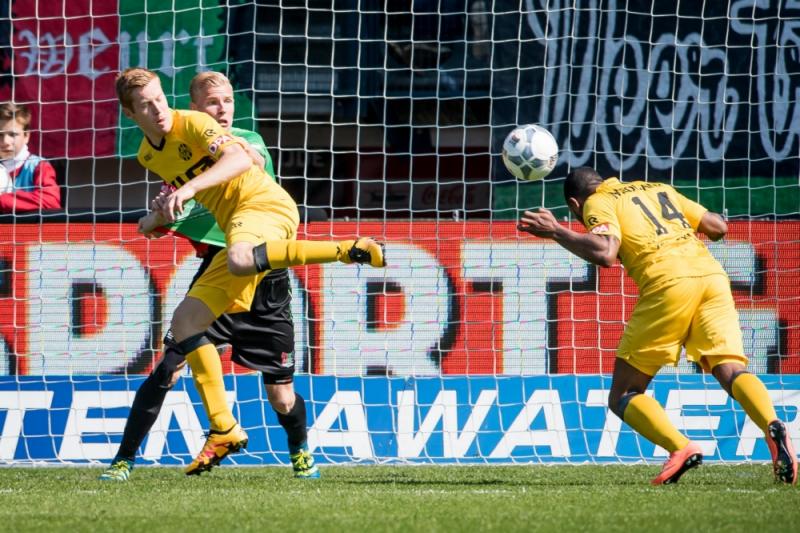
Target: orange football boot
679 462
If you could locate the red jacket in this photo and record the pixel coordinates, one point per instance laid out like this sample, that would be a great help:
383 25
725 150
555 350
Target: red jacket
35 188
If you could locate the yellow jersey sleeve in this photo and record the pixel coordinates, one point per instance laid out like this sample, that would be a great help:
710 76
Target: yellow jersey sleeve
691 210
202 130
600 216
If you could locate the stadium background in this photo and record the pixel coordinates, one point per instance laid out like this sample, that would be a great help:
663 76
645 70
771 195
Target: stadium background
388 121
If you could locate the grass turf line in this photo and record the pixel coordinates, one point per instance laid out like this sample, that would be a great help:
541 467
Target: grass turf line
397 498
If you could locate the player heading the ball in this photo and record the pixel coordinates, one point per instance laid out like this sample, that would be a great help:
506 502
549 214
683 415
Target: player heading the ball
685 301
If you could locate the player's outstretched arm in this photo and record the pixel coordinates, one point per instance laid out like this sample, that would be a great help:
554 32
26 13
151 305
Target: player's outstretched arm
233 162
600 250
713 226
597 249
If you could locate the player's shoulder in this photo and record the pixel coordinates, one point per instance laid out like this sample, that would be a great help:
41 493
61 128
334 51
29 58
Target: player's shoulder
613 188
599 209
253 138
190 114
604 193
656 185
188 117
196 127
609 188
659 188
241 132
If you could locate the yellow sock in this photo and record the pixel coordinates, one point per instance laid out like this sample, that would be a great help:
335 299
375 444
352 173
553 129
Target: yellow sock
207 373
283 254
751 393
649 419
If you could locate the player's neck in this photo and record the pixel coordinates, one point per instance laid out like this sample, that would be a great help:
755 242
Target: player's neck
156 140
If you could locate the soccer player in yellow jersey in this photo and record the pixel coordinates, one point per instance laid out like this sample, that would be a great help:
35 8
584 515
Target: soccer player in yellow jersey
191 151
684 301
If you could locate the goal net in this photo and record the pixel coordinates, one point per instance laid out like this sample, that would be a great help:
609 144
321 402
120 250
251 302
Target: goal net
477 343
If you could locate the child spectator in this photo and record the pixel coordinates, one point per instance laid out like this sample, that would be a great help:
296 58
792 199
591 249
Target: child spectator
27 182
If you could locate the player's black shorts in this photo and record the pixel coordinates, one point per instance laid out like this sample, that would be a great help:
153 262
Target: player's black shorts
263 338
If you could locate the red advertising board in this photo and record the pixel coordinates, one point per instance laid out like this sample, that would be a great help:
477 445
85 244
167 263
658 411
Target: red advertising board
456 298
65 58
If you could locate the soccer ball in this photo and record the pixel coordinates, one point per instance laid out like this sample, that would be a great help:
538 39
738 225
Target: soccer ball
530 152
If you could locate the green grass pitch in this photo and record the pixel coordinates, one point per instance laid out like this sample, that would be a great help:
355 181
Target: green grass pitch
399 498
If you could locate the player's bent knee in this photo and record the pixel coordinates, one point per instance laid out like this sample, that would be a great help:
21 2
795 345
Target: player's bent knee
240 259
283 407
191 317
726 374
613 401
282 402
237 268
736 373
281 397
619 402
184 327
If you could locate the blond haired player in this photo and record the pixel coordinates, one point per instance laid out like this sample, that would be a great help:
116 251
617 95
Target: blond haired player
192 152
684 301
261 339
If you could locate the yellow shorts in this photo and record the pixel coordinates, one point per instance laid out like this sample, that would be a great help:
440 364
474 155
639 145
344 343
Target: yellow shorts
258 222
220 290
698 313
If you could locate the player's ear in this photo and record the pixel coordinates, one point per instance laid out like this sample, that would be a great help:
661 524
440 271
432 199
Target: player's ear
127 112
192 106
574 206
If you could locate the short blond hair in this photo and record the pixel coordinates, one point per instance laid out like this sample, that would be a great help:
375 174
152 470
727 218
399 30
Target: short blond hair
18 112
130 79
207 79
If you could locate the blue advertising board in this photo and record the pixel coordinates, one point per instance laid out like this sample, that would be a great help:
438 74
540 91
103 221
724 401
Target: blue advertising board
493 419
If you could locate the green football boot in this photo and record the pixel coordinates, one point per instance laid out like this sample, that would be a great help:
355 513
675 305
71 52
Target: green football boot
303 463
120 470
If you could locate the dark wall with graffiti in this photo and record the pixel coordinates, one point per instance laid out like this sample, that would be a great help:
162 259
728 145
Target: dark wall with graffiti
661 90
